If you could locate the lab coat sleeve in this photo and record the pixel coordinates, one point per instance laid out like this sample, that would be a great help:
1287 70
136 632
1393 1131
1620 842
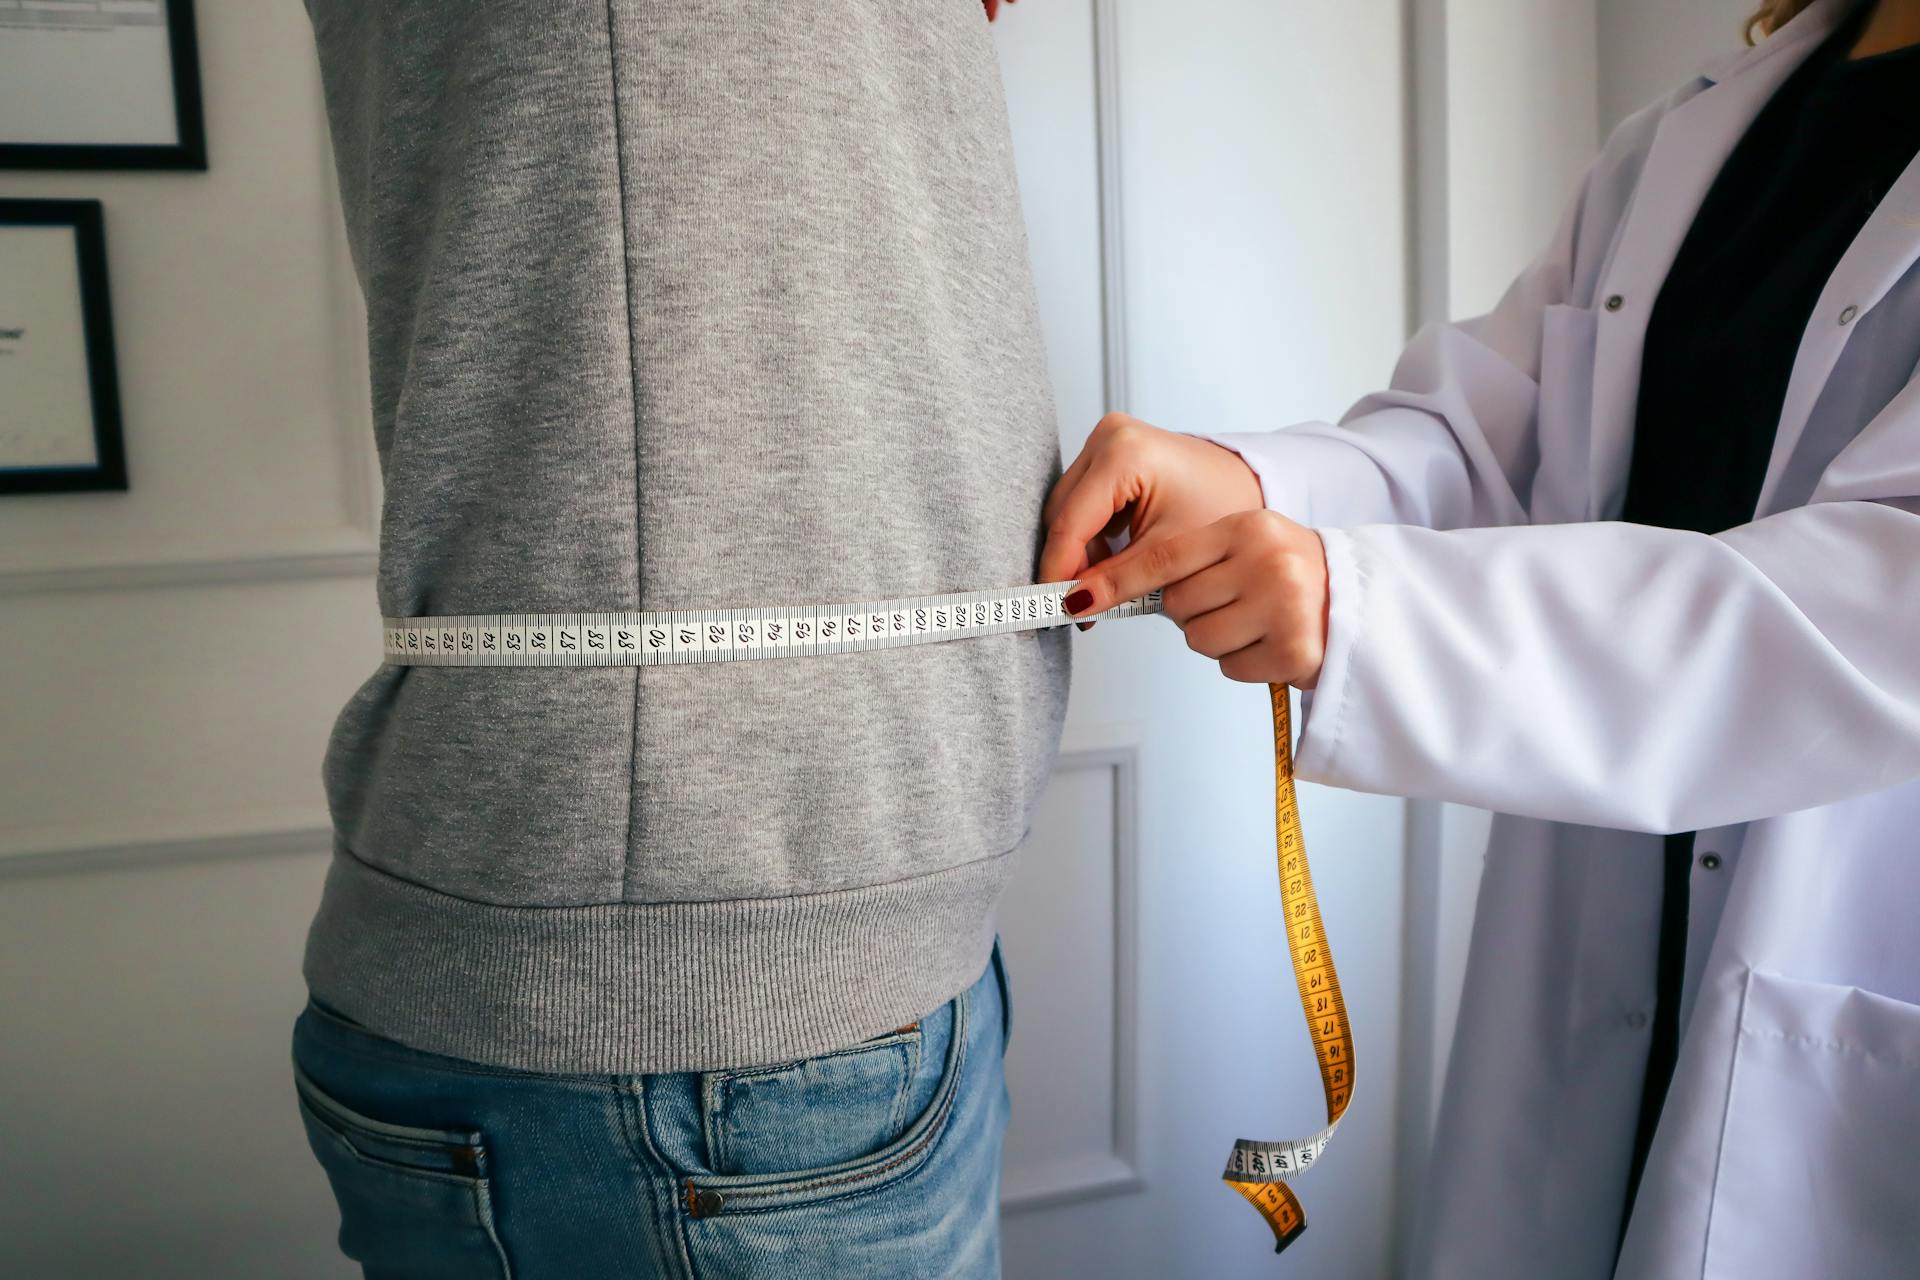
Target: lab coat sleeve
1450 443
1633 677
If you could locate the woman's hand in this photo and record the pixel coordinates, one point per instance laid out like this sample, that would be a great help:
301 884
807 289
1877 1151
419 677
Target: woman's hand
1250 590
1135 476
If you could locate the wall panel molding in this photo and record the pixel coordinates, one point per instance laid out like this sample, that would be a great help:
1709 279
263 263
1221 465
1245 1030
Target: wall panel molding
1113 294
165 851
1424 62
1116 1170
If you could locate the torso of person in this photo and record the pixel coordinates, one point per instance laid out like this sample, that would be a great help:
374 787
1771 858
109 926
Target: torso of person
677 307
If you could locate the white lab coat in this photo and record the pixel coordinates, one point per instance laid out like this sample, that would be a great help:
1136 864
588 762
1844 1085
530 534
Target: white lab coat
1496 639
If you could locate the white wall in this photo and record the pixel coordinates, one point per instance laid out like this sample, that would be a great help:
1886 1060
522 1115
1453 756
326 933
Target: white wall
170 660
145 1106
1649 46
1521 127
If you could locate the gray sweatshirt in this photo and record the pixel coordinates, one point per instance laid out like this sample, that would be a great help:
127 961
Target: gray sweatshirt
684 306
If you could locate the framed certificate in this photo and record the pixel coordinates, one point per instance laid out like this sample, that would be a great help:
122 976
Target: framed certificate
100 84
59 394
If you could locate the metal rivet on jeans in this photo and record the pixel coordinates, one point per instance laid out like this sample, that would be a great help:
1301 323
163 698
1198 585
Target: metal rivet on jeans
1615 302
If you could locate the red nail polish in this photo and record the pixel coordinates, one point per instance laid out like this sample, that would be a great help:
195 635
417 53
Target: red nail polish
1078 600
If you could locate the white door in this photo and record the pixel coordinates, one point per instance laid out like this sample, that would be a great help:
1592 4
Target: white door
1154 1017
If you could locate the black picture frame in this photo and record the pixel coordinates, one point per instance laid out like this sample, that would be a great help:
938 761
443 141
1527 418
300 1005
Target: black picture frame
188 153
87 220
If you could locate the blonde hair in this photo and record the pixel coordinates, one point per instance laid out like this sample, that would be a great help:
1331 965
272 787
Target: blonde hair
1773 15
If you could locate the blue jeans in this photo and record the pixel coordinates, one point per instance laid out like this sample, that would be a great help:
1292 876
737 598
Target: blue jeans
878 1159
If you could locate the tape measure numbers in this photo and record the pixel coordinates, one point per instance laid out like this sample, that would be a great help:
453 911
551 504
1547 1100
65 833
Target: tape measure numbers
643 638
1259 1171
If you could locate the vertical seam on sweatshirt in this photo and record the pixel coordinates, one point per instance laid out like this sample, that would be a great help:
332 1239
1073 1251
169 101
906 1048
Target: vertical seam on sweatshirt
633 392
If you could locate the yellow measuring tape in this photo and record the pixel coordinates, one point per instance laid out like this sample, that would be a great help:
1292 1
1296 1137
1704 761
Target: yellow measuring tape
1260 1170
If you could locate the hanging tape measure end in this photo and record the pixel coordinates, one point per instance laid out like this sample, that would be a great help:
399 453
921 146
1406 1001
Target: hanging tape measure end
1319 985
1277 1206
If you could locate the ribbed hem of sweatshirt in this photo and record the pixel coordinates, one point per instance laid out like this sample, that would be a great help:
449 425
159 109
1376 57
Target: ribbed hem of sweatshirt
632 987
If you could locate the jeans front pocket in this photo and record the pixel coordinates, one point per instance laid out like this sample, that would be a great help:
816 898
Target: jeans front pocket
413 1201
837 1125
817 1111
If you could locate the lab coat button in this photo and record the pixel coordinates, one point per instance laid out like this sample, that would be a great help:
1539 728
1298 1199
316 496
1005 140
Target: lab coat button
1846 317
1615 302
1636 1020
1711 861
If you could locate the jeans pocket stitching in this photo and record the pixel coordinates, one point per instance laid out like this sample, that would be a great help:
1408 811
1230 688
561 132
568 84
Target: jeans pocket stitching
477 1186
483 1213
715 1093
897 1117
886 1166
345 1138
875 1175
465 1146
887 1041
716 1090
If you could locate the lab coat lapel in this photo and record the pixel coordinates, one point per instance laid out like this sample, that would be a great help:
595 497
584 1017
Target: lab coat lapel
1886 247
1689 148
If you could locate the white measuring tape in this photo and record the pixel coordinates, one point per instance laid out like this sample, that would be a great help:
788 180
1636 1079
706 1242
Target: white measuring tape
644 638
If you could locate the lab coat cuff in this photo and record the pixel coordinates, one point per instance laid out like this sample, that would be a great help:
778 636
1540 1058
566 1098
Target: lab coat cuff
1321 707
1285 462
